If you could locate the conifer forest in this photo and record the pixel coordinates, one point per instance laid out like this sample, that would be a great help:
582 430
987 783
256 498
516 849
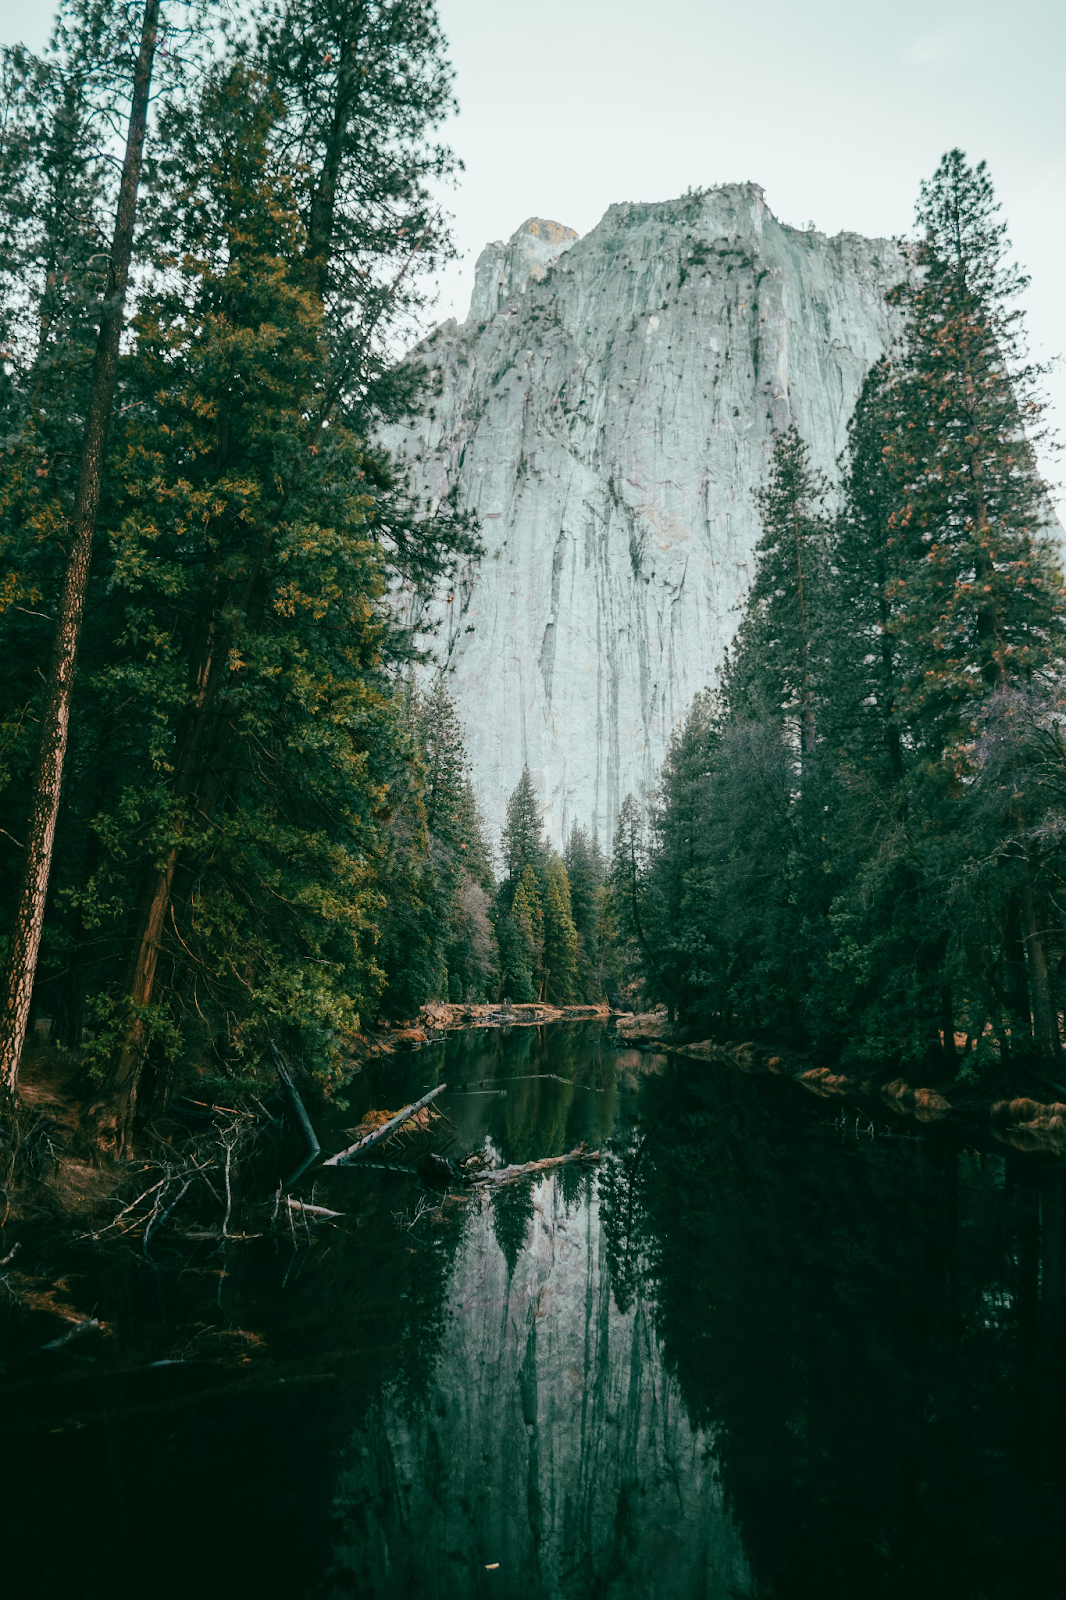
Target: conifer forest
655 1192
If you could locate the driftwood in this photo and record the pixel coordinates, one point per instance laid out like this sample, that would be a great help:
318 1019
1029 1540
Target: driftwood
310 1137
72 1333
529 1168
528 1077
342 1158
312 1211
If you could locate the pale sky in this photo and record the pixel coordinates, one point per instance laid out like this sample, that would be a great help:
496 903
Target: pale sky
837 109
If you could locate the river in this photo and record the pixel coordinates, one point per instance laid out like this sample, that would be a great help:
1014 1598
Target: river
764 1348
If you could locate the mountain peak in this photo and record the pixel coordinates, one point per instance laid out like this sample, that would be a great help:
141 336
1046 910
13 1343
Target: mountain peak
505 270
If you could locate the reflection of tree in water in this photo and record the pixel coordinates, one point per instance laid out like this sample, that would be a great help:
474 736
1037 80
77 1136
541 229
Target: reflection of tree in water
527 1127
336 1324
512 1213
542 1117
622 1213
846 1312
574 1185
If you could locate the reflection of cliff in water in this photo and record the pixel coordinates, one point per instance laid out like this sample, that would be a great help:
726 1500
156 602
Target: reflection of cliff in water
551 1440
765 1351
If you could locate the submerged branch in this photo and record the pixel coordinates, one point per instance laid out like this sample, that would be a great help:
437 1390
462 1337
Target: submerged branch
310 1137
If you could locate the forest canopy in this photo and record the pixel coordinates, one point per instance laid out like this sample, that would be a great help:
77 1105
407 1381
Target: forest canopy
235 799
856 845
248 816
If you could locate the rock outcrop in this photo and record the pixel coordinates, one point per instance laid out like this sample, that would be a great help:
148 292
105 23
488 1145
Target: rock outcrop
606 410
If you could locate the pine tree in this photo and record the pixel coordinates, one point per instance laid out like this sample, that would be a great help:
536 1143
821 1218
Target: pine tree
522 841
52 205
364 84
257 836
527 914
683 829
981 604
24 942
863 646
586 871
771 787
773 671
627 885
516 974
460 867
247 582
560 937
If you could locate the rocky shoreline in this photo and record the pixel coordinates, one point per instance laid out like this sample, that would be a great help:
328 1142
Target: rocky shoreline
1019 1122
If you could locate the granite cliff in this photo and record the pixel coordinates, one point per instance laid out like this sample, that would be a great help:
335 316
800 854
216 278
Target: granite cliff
606 409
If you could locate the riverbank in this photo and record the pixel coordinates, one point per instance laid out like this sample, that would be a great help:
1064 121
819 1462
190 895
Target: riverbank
438 1018
1019 1121
54 1174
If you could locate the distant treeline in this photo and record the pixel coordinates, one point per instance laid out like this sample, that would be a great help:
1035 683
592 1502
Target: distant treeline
859 838
553 919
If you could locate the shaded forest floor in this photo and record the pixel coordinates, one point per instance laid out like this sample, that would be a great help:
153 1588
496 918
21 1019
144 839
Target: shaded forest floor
53 1170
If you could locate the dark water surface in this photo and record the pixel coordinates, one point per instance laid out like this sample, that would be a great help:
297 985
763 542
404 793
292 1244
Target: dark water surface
761 1351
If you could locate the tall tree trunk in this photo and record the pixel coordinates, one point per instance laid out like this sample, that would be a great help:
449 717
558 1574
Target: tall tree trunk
321 220
21 965
1045 1023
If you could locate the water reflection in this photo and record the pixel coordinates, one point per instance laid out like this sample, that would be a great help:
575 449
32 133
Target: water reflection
849 1313
750 1355
553 1443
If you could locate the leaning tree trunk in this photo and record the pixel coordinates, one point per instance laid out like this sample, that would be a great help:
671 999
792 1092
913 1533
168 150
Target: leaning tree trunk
112 1113
21 964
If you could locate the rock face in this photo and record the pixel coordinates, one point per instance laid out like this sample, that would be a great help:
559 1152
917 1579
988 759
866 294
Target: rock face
606 409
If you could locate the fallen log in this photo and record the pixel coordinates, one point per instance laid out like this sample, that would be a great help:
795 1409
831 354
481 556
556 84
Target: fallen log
312 1211
342 1158
528 1168
72 1333
216 1233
